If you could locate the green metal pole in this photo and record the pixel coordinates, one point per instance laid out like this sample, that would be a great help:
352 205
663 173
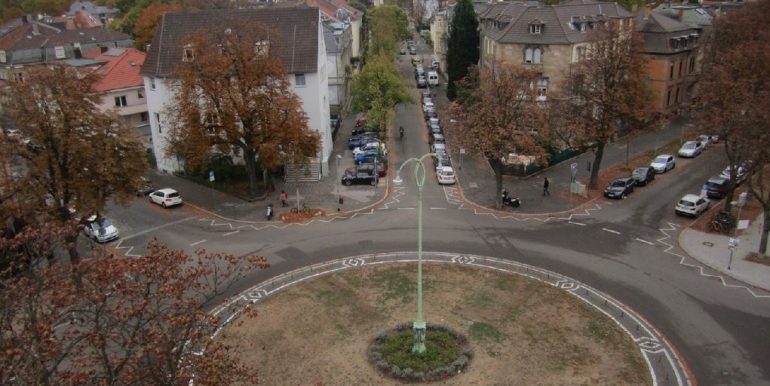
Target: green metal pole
419 324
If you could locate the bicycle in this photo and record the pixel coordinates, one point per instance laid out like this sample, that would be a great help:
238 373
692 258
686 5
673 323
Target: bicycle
722 222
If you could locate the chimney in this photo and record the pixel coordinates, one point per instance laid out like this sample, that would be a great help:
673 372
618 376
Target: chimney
647 10
680 13
35 28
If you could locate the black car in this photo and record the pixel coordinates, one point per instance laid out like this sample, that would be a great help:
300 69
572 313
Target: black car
620 187
643 175
359 177
430 114
441 159
716 187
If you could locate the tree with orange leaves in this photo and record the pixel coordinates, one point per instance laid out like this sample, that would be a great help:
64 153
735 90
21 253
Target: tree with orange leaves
495 111
234 97
147 22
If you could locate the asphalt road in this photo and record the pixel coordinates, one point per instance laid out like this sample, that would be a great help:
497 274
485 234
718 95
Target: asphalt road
620 248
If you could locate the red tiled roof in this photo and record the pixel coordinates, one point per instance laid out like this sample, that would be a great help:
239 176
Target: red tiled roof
121 69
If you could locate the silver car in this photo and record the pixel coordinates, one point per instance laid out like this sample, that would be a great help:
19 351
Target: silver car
100 229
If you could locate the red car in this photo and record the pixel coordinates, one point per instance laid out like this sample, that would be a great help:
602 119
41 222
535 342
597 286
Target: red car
382 169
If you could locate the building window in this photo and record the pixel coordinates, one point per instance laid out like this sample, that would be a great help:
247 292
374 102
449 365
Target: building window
143 116
262 48
671 71
2 56
676 98
152 83
59 52
188 54
681 67
140 94
157 121
668 98
120 101
535 29
299 80
537 56
528 55
542 89
580 53
533 55
692 65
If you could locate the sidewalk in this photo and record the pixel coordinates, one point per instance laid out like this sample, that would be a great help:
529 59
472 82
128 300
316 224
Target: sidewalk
712 250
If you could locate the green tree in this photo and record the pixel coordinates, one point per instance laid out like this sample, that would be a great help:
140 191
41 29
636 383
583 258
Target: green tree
463 45
231 100
77 158
387 27
377 89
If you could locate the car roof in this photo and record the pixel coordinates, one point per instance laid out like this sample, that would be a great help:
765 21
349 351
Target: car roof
166 190
640 168
446 169
717 180
691 197
663 156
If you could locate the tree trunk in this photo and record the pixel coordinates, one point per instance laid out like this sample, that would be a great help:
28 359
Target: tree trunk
765 229
499 186
597 163
249 158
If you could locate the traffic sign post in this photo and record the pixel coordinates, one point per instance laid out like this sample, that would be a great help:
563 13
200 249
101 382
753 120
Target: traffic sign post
462 151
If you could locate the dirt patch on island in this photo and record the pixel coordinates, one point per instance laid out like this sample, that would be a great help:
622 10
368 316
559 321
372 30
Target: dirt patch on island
522 331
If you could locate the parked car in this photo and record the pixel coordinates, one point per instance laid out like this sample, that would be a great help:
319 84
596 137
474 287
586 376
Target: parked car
741 173
433 121
705 140
435 128
421 82
716 187
382 169
445 175
366 157
436 138
402 51
438 148
690 149
145 187
425 94
334 121
643 175
412 50
620 187
428 106
430 115
375 144
663 163
440 160
416 60
166 197
359 177
361 140
692 205
100 229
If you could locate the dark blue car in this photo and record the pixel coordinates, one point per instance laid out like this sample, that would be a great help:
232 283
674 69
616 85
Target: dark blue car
361 140
367 156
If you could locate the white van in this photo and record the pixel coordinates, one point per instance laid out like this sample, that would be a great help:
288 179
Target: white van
433 78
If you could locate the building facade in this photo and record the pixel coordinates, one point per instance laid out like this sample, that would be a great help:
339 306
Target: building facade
302 50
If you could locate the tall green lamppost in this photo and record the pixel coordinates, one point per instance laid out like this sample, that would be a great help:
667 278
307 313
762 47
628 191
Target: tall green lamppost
419 178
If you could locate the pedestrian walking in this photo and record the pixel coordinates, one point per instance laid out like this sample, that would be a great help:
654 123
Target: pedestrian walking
545 187
284 198
269 212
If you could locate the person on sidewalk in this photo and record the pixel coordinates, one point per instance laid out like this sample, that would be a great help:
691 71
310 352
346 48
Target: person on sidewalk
284 198
269 212
545 187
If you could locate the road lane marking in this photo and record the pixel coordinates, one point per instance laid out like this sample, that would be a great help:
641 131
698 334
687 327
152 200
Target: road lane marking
406 208
153 229
438 208
230 233
645 241
576 223
197 242
611 231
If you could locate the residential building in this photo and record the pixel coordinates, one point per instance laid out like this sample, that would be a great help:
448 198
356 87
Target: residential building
302 50
28 42
339 11
672 48
547 38
338 41
103 13
439 33
123 88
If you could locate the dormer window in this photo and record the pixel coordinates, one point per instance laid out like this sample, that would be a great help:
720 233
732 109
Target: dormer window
59 52
188 54
262 48
536 27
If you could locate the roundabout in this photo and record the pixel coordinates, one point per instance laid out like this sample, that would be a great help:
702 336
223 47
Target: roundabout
599 335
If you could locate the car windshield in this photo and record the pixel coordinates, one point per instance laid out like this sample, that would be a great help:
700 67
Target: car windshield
619 184
172 195
640 171
686 203
689 145
661 160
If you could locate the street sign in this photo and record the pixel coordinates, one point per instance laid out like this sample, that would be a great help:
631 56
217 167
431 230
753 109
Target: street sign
733 242
743 224
211 176
462 150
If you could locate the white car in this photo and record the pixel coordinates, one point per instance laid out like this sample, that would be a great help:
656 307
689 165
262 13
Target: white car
371 146
705 140
100 229
663 163
692 205
445 175
166 197
691 149
740 173
437 148
428 106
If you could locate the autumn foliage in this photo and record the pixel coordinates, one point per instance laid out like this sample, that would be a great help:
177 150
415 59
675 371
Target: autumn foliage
120 321
147 22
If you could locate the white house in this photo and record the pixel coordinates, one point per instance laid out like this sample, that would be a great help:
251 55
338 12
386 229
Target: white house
302 50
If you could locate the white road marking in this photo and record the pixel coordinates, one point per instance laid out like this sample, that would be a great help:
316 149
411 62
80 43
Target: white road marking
153 229
406 208
438 208
197 242
611 231
576 223
230 233
645 241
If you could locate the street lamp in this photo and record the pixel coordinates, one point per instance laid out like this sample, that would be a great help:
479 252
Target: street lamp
419 178
339 179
